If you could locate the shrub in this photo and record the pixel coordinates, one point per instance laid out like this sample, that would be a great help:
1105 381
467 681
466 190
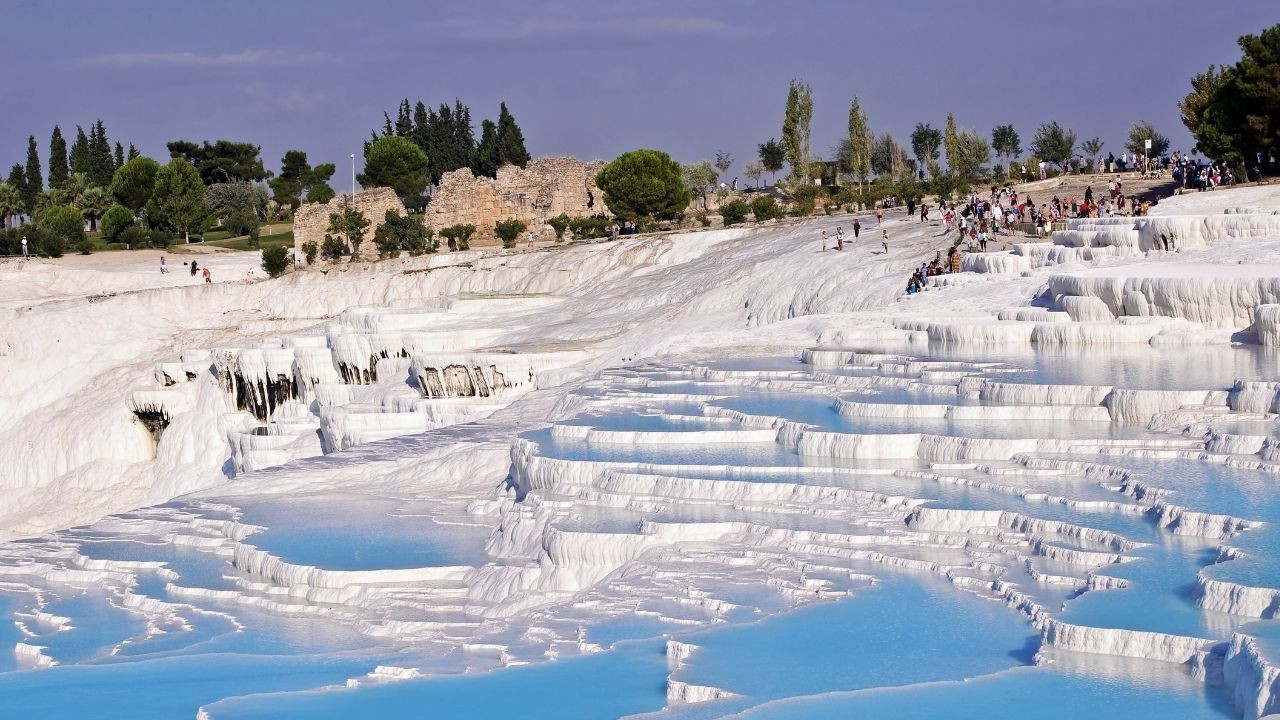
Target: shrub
406 233
309 250
458 236
114 221
63 222
703 220
595 226
734 212
160 238
275 260
254 234
559 224
765 208
643 183
333 247
509 230
133 236
805 199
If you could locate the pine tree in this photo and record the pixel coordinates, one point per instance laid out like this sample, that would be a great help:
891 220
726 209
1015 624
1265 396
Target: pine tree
487 158
80 152
57 159
119 155
463 144
33 184
510 141
421 122
133 153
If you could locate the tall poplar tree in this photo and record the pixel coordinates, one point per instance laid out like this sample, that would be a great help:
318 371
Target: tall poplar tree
57 158
951 143
796 129
860 141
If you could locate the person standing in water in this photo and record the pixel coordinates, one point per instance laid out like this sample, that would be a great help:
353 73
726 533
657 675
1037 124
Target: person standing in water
857 228
885 241
879 215
194 268
839 238
164 269
208 277
824 241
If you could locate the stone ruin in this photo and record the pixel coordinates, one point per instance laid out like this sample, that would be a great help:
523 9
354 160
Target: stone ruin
543 189
311 221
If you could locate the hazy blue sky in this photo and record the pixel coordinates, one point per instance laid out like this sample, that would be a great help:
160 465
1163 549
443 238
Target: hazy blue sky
593 79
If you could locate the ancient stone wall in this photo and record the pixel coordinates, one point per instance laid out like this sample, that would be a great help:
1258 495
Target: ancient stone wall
544 189
311 221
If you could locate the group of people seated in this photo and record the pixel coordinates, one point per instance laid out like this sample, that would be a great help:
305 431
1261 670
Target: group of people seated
936 266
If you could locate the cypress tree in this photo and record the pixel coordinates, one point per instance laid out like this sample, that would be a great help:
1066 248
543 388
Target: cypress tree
404 123
119 154
18 179
510 140
421 123
486 160
101 164
133 153
464 139
34 183
57 158
80 152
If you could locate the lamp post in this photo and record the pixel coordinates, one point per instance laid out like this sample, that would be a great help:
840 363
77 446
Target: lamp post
353 181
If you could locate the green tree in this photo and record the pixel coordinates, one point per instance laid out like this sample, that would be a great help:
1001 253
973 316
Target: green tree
318 189
10 204
1052 143
350 223
508 231
699 178
222 160
93 203
950 137
772 156
275 260
1092 148
559 224
972 153
925 141
57 158
287 187
510 140
724 161
177 200
80 156
118 158
73 190
114 222
397 163
135 182
1142 131
753 171
407 233
18 180
63 222
860 141
487 160
765 208
235 198
101 164
643 184
796 129
34 183
133 153
309 250
1005 141
1241 115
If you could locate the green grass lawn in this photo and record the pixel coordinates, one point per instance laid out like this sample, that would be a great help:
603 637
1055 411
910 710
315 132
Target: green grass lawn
242 243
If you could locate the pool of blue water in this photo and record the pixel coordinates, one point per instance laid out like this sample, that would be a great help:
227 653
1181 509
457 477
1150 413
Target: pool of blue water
360 533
